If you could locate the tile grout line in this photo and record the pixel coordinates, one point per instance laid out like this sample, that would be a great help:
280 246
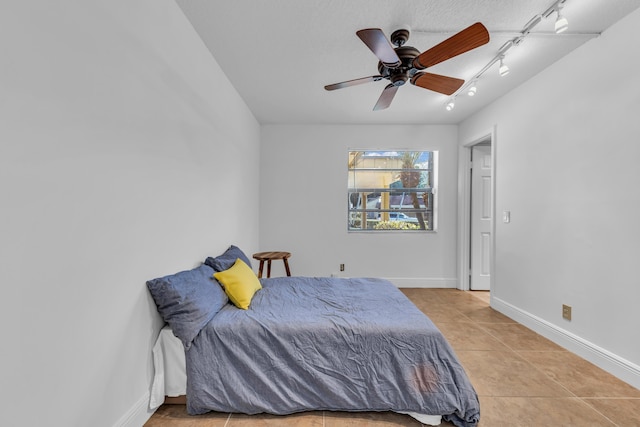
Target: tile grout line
601 414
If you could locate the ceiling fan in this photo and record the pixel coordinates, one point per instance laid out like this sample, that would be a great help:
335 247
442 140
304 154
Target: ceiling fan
404 63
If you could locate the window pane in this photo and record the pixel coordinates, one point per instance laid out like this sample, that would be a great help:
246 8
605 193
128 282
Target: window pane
390 190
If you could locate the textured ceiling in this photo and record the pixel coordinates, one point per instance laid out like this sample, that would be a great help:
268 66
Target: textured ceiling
279 54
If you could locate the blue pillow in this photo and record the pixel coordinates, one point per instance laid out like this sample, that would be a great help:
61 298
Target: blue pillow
227 259
188 300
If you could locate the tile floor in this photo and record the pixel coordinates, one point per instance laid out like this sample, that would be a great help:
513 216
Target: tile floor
522 378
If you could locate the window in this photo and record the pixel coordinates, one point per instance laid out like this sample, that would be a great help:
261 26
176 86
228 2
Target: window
391 190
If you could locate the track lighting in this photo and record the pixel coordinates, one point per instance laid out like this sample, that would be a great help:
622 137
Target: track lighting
561 22
561 25
451 105
472 89
503 70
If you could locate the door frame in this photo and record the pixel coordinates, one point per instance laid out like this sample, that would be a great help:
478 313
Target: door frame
464 208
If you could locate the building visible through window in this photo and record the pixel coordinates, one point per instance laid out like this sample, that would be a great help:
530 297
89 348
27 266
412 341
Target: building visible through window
391 190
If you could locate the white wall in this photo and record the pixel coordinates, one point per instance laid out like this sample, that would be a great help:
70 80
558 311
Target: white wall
122 145
303 204
567 169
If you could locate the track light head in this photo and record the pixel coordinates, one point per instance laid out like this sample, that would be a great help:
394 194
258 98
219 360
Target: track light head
472 89
561 24
450 105
503 70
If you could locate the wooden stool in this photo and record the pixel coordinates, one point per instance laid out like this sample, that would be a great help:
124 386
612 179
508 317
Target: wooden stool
270 256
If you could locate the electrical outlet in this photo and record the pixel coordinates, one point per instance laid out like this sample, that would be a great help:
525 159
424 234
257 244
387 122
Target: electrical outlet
341 267
566 311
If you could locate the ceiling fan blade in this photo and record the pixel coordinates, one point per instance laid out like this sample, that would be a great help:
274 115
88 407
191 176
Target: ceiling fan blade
386 97
375 40
353 82
437 83
470 38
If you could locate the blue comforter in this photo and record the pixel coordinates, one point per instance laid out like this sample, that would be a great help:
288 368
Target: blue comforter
327 344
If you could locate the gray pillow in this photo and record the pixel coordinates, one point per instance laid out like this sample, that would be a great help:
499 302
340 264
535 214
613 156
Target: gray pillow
227 259
188 300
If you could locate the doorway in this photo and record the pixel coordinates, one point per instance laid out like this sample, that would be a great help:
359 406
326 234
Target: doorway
476 202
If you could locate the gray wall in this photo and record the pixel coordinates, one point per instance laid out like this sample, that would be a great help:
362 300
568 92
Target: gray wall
567 169
303 204
122 145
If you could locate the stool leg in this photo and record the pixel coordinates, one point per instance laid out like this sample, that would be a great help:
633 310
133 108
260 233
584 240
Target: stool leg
286 267
268 268
260 269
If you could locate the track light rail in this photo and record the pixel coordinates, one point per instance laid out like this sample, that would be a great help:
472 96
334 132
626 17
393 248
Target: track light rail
518 38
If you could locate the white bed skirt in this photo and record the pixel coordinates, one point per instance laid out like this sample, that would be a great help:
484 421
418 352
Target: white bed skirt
170 378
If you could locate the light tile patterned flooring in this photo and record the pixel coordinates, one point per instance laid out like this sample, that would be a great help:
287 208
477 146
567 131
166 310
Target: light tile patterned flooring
522 378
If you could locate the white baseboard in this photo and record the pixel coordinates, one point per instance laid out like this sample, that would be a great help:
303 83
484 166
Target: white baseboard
137 415
422 282
604 359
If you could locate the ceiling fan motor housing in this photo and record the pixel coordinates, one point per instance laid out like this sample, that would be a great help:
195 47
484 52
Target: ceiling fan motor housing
399 75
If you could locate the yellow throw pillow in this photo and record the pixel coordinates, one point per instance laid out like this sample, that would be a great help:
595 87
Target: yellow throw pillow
240 283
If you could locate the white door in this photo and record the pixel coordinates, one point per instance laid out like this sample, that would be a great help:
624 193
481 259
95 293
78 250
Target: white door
480 218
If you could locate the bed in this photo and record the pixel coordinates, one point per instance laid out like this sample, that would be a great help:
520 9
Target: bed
303 344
